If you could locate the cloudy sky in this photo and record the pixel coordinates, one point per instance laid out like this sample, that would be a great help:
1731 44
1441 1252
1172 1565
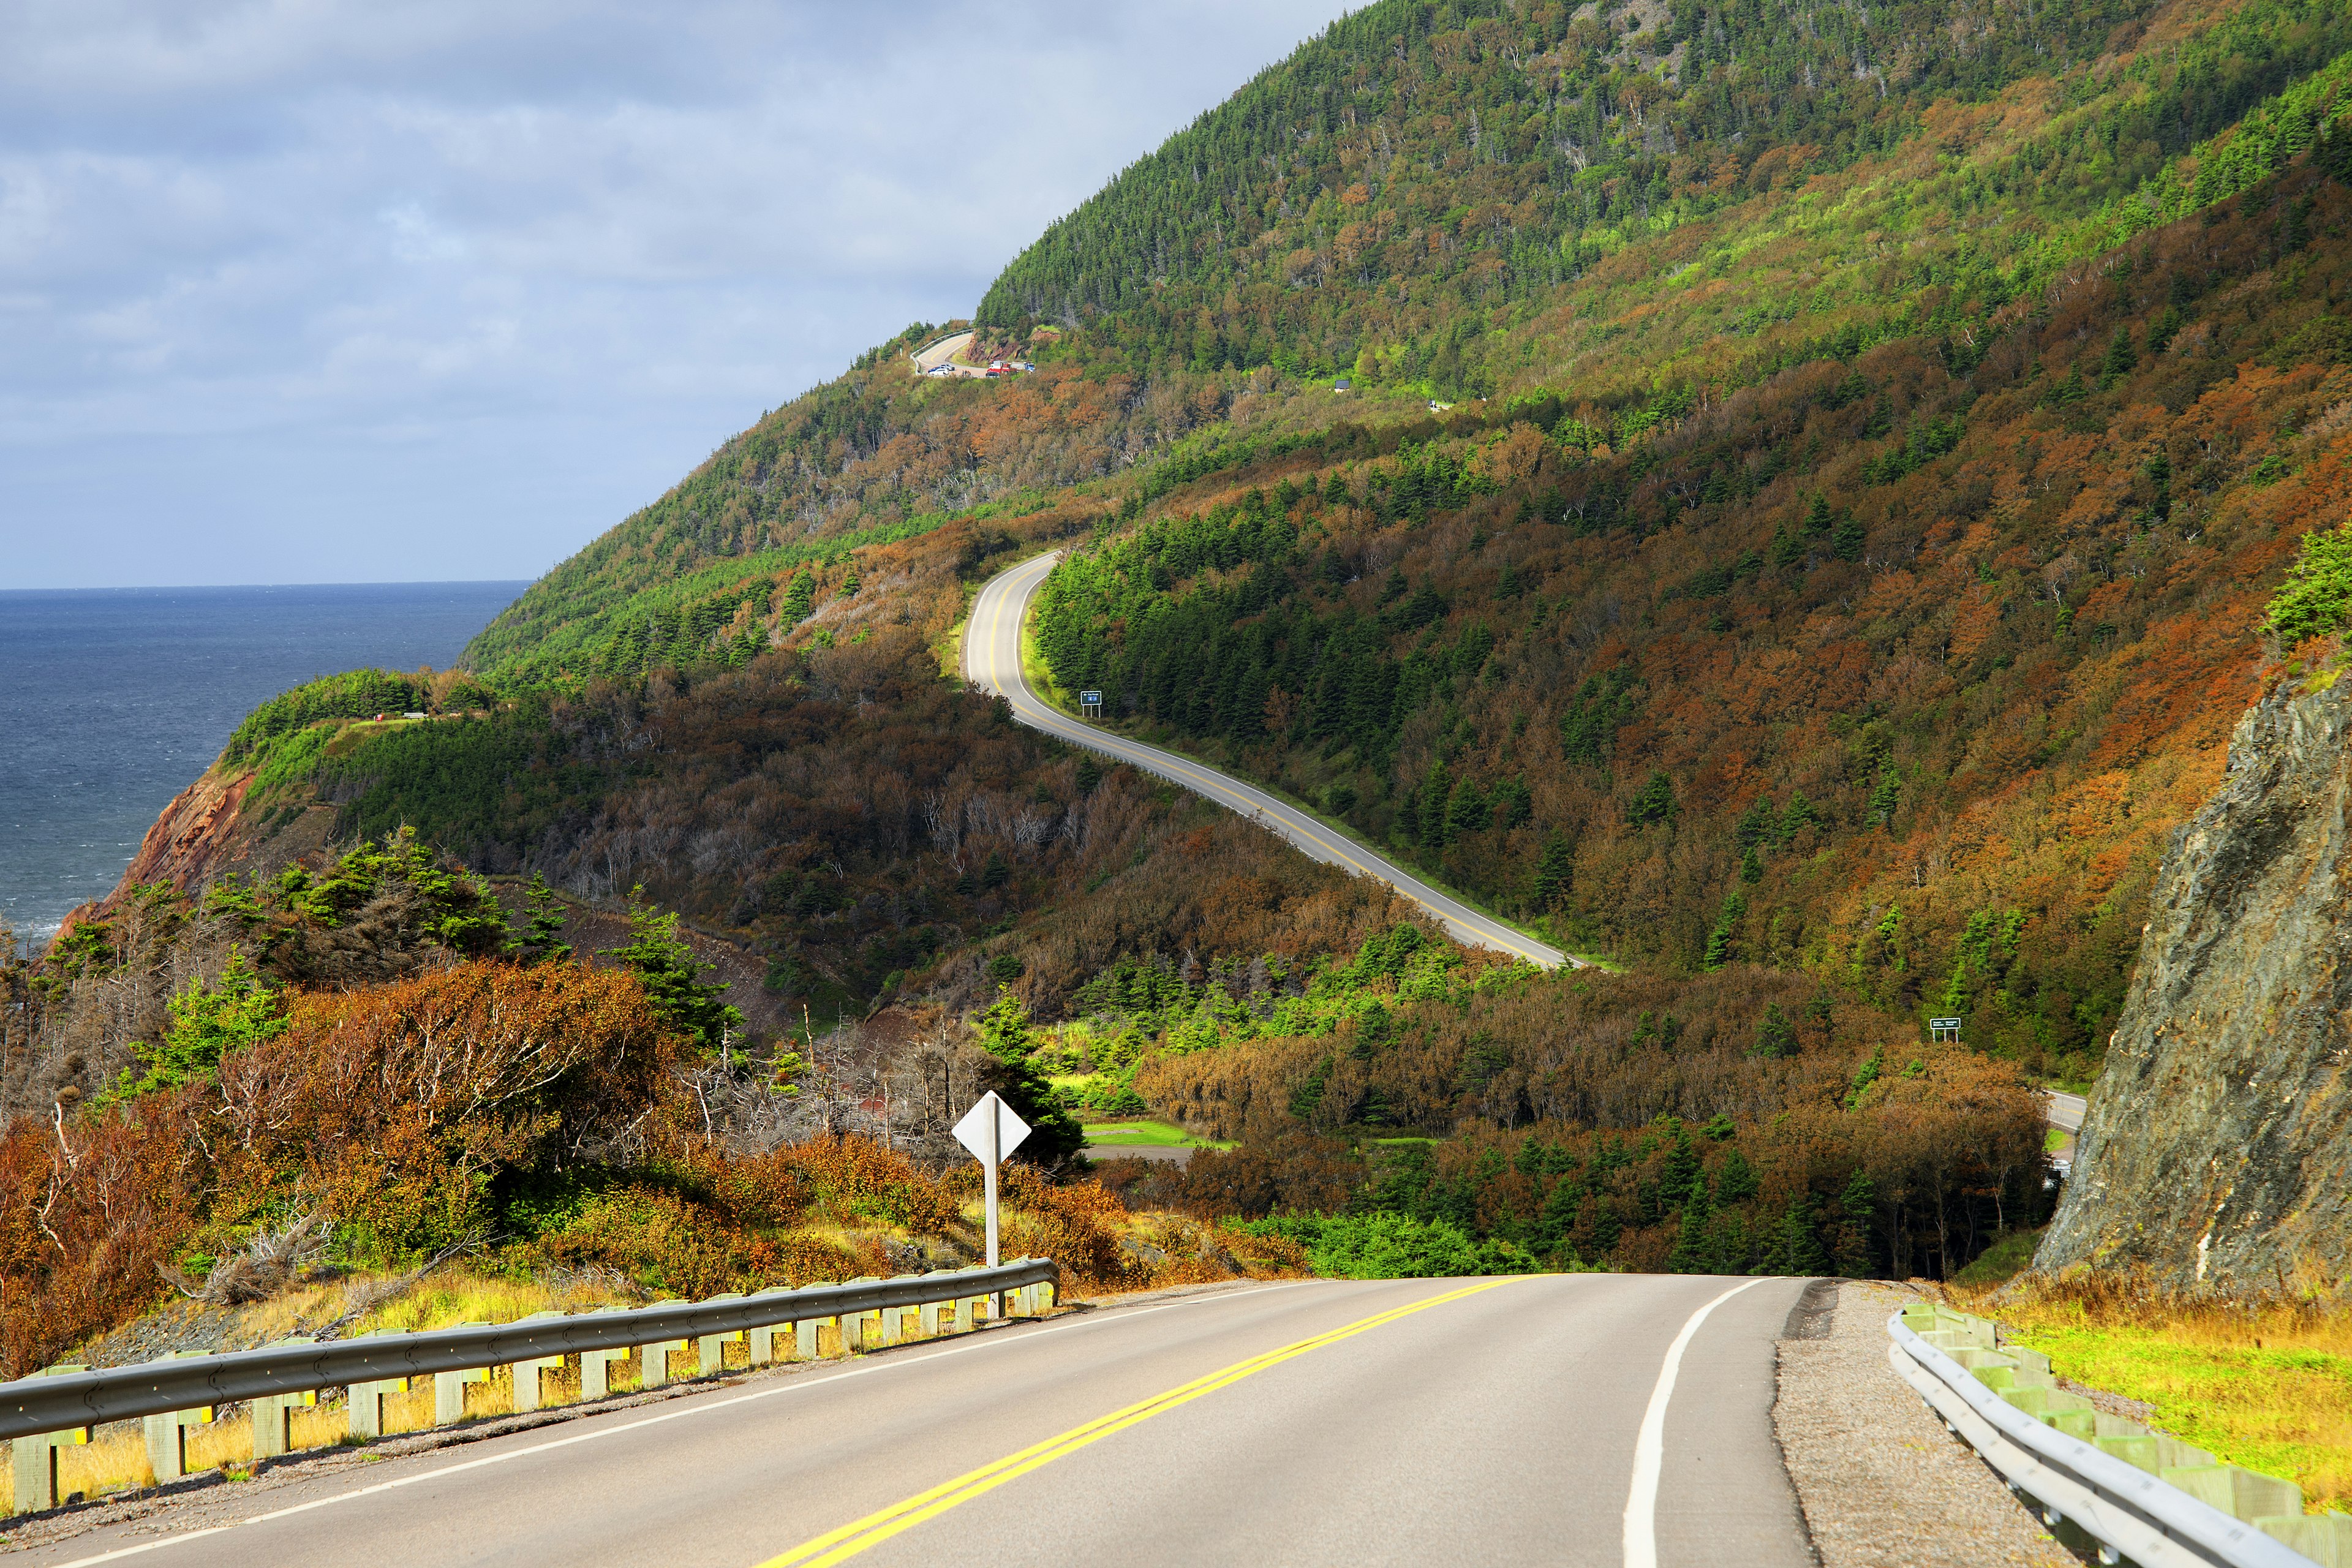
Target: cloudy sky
337 290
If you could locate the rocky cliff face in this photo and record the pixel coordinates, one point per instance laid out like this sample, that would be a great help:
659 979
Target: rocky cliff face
2217 1150
204 832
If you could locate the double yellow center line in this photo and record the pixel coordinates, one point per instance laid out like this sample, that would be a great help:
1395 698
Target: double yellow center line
840 1545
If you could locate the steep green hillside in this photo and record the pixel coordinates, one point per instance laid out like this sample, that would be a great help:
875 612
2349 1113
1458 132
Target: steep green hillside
1428 199
1356 205
1879 430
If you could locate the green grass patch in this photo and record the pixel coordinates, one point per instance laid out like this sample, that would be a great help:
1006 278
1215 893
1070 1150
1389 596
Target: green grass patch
2268 1386
1152 1134
2286 1412
2057 1138
2005 1259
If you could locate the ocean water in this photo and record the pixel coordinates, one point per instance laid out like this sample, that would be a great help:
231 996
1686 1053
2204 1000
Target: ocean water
113 699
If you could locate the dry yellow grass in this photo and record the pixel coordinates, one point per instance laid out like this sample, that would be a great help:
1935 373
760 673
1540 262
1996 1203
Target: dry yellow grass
2266 1386
457 1296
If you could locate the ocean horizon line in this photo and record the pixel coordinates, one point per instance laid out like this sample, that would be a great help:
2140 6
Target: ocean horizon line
263 587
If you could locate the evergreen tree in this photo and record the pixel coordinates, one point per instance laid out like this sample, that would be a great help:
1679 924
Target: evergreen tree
2121 359
800 599
1683 1177
1796 816
1738 1180
1654 802
1857 1256
1798 1247
207 1021
1693 1252
1884 796
546 916
1727 925
1846 537
1555 869
665 965
1054 1134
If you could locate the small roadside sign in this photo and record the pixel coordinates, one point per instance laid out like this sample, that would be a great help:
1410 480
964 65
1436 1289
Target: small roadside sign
1090 702
991 1130
1944 1028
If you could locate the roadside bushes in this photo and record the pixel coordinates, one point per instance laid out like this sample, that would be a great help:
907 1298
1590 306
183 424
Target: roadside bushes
1295 1173
394 1108
395 1111
1076 1225
843 1178
1387 1246
540 1114
88 1212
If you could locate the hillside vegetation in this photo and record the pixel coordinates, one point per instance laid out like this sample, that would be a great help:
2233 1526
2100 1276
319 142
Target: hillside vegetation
1803 522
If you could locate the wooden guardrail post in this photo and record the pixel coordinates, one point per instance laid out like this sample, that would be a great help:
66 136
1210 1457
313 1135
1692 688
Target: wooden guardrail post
34 1459
167 1440
449 1387
527 1394
653 1362
273 1413
364 1416
273 1422
596 1371
167 1435
710 1350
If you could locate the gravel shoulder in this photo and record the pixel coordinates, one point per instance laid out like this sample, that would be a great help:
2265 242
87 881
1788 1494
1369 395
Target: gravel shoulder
1882 1483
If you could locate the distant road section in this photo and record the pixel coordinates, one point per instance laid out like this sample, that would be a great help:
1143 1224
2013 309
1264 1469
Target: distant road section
943 352
944 358
991 659
2064 1111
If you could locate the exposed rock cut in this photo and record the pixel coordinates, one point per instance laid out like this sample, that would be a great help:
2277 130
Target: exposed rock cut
2217 1150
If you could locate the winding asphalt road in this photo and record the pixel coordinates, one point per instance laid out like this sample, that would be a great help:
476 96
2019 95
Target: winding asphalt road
1581 1419
991 659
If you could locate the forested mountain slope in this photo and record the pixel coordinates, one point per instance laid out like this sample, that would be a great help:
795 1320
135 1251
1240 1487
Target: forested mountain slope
1874 436
1410 199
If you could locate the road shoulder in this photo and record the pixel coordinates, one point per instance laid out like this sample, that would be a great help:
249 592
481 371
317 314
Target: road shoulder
1881 1482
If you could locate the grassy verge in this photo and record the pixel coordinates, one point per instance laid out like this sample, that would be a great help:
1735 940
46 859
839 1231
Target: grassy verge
2267 1388
1148 1134
1039 677
2007 1257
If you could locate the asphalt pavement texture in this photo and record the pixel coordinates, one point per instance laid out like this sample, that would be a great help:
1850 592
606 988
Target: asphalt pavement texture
1488 1421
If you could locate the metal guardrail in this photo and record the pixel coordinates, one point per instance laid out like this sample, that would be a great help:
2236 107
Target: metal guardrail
2130 1514
58 1405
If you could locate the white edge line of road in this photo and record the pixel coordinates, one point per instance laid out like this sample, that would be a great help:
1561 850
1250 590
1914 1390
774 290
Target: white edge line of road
1650 1447
1324 844
693 1407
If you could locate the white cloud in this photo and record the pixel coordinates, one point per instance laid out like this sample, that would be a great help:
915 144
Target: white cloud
485 278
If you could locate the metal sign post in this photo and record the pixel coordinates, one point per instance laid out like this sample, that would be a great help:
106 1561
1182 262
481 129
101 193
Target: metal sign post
991 1130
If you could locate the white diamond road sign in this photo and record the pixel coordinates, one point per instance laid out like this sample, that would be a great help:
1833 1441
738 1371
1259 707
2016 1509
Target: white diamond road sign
991 1130
973 1130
